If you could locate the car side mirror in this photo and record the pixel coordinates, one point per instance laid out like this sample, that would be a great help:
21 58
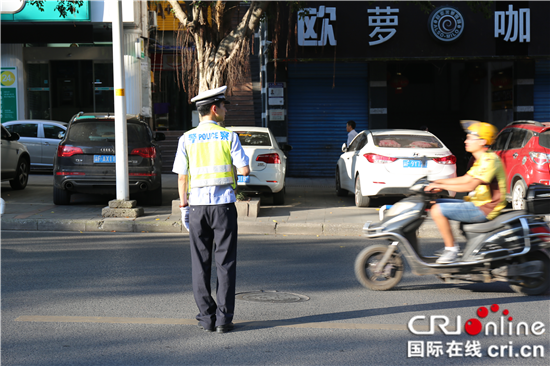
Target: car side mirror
344 147
159 136
285 147
14 136
61 134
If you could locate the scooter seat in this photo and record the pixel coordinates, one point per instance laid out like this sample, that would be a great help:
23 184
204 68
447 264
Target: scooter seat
494 224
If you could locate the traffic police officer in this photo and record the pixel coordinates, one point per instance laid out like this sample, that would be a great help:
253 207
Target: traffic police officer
204 164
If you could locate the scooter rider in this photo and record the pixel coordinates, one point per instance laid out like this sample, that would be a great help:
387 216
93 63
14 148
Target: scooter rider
486 179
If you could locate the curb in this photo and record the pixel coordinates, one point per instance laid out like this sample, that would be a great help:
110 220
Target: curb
246 226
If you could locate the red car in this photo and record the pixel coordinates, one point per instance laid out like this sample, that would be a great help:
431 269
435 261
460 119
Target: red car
524 147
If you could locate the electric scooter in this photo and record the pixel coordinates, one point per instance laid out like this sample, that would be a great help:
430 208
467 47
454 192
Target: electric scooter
514 247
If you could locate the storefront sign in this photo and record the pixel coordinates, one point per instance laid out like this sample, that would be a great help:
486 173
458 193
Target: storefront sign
8 89
276 114
387 30
387 21
11 6
275 93
31 13
518 24
307 34
446 24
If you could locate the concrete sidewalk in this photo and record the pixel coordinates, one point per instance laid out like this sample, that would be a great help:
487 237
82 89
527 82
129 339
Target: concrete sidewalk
311 208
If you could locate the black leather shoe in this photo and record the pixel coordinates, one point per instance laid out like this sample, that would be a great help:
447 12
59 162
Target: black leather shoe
205 329
225 328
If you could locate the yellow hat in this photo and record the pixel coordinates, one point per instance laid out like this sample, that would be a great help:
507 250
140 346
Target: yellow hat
483 130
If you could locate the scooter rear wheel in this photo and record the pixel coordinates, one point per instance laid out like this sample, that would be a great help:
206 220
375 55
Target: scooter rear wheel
532 286
365 265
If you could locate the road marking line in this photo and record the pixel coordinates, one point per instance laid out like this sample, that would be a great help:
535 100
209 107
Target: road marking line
247 323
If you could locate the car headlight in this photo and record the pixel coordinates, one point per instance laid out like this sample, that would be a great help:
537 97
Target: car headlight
400 207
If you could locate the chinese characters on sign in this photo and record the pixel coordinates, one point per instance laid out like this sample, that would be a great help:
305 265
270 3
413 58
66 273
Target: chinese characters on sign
435 349
8 89
307 36
387 21
518 24
315 26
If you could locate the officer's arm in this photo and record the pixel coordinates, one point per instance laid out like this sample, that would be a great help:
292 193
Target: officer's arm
245 170
182 189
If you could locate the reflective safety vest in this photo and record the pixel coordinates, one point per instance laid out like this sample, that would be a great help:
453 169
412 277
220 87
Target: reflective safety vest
208 149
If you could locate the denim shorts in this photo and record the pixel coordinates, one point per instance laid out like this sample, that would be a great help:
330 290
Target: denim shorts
459 210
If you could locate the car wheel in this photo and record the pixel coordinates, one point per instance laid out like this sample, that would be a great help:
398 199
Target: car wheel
21 174
61 196
339 191
360 200
279 197
518 194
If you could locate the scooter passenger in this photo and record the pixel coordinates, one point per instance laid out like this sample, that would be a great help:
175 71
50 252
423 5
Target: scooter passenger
486 178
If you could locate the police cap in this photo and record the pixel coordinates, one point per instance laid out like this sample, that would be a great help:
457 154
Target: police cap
211 96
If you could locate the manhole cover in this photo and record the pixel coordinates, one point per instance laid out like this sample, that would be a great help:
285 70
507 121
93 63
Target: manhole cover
271 296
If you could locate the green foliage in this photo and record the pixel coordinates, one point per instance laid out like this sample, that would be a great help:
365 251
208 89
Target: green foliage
242 196
63 6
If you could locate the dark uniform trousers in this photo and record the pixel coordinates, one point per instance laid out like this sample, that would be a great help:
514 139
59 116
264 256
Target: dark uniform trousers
214 227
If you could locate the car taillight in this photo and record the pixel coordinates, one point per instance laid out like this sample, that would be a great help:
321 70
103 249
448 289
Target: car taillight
269 158
539 158
379 159
146 152
451 159
70 173
142 174
542 230
65 151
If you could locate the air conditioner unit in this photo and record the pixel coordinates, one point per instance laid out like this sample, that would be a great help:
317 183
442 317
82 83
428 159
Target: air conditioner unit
153 19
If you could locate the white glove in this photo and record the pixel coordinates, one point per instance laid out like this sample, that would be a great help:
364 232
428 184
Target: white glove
185 216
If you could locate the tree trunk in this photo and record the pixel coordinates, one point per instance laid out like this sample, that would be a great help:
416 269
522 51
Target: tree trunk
221 56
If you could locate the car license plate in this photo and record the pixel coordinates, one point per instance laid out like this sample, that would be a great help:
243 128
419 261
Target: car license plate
414 164
243 178
104 159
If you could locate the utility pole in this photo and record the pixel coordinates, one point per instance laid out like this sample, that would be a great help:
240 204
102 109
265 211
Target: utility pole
121 138
122 206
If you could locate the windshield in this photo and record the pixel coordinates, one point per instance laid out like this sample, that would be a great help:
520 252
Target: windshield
254 138
407 141
91 131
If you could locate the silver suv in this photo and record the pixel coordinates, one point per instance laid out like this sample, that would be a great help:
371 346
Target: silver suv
16 161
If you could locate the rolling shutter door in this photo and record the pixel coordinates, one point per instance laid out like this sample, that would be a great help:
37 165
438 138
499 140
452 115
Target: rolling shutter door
542 91
317 114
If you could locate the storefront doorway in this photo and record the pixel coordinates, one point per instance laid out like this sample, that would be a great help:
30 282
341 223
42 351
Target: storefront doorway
438 95
57 90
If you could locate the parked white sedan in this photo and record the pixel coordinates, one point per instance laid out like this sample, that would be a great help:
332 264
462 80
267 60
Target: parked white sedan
388 162
41 137
267 162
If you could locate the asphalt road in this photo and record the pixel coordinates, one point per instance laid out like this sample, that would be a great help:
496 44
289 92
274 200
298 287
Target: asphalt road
126 299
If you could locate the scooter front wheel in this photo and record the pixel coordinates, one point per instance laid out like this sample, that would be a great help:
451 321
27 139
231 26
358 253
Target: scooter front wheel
365 268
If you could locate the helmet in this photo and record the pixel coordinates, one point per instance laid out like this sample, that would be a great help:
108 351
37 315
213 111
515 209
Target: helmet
483 130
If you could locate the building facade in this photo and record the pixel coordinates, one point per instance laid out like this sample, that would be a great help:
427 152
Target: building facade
62 66
391 65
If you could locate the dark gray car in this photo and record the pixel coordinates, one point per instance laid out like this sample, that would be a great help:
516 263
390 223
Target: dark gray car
85 160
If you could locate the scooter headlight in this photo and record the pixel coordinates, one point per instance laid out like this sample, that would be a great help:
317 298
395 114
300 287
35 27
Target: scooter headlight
400 207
